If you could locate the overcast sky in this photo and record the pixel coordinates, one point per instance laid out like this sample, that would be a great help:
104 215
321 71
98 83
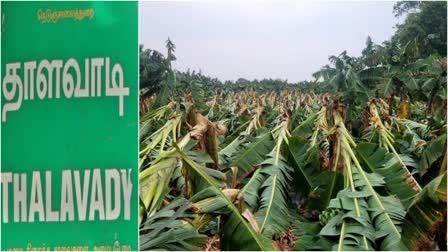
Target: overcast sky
287 40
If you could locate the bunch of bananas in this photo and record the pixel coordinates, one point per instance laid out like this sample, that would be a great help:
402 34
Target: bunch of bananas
326 215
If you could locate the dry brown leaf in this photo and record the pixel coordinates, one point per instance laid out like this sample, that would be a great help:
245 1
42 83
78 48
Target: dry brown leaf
250 217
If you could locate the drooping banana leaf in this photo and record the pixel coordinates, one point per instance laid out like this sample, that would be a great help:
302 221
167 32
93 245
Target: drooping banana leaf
426 212
326 185
299 115
235 235
195 182
231 151
308 236
154 182
408 80
420 130
161 138
251 189
228 152
274 196
305 129
387 213
304 161
434 150
237 232
372 222
236 132
254 153
350 231
308 177
380 161
166 230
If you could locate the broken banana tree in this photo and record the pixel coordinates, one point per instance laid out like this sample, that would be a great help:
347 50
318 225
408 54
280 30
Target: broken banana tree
386 141
266 192
366 220
154 180
160 137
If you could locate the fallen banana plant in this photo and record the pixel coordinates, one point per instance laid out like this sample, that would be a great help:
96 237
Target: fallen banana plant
238 233
160 137
154 180
386 140
288 172
366 220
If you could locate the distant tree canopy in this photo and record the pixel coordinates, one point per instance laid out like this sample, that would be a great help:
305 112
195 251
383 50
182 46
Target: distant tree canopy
426 22
411 64
152 69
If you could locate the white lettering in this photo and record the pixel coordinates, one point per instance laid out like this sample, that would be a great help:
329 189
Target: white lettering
67 197
20 197
36 203
51 215
29 79
96 201
108 203
112 213
6 178
127 190
68 84
81 199
11 78
42 81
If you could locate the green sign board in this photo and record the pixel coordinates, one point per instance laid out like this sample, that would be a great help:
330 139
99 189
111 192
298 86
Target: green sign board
69 125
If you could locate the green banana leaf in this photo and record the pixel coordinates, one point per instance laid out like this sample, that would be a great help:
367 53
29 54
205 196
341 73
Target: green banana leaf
426 214
237 232
166 229
305 129
254 153
380 161
433 151
274 197
324 185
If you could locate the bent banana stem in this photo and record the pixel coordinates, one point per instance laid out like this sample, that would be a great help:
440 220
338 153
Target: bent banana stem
341 238
402 164
338 152
369 186
348 164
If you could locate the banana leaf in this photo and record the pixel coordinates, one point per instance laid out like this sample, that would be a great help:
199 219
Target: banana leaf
308 236
425 214
380 161
305 129
237 232
166 230
274 196
254 153
324 185
433 151
366 220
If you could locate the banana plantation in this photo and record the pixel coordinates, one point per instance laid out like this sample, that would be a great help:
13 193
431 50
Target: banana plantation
355 160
